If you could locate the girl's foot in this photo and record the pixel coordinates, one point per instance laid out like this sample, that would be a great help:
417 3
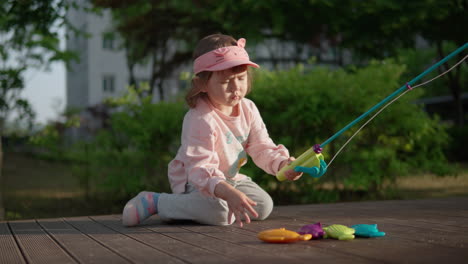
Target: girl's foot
139 208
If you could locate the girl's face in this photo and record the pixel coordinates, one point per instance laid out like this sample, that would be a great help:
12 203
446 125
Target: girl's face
225 89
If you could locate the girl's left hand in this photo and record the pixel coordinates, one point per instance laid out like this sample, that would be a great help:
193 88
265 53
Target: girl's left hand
291 174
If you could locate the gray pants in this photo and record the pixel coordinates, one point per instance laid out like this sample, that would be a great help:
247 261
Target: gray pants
192 205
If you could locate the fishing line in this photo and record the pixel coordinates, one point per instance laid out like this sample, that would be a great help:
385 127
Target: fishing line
389 103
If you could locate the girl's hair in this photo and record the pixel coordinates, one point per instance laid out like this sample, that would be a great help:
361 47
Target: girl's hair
200 80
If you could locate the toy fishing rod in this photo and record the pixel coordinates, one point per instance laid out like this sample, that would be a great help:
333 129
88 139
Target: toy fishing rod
312 161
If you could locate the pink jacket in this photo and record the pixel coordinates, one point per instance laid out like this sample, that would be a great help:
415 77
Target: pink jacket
215 146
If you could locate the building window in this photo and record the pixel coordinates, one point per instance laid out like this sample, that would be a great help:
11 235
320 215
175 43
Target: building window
108 83
107 42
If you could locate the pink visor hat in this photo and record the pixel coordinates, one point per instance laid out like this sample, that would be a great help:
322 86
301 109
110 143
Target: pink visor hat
223 58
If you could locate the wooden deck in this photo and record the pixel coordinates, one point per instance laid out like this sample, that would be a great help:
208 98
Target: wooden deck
420 231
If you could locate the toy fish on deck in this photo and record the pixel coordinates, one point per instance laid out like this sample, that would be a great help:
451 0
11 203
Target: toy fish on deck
282 235
314 229
339 232
363 230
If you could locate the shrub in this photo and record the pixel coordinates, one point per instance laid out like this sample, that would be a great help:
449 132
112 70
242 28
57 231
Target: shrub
302 108
134 152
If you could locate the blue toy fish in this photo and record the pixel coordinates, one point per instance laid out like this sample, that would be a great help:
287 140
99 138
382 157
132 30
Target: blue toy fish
363 230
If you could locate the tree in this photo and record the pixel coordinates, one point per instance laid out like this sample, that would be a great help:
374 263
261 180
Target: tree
380 28
164 33
28 39
161 33
369 29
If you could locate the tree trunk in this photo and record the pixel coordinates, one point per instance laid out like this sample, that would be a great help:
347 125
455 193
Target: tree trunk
157 76
153 74
162 97
131 78
458 103
2 208
160 73
455 89
130 66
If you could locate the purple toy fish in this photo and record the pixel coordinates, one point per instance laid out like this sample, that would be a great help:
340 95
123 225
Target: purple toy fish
314 229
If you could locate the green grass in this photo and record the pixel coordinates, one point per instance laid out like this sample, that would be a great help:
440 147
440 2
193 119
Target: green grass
35 188
428 185
25 175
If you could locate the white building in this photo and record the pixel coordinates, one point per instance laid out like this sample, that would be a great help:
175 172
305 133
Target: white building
102 69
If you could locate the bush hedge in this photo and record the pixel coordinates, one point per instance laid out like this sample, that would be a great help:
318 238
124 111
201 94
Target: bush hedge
300 108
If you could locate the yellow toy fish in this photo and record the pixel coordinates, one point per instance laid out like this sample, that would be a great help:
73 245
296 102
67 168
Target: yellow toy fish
282 235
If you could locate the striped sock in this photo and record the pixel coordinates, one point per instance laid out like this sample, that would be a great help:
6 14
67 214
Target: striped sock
139 208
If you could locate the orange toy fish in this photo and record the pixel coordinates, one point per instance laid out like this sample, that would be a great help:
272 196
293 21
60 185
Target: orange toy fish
281 235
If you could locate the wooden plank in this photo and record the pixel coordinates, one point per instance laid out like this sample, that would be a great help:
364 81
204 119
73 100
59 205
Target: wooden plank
243 245
9 250
428 231
434 223
125 246
413 229
426 235
416 219
208 240
372 248
396 249
175 241
449 206
415 224
299 251
36 245
330 248
412 232
455 210
416 216
79 245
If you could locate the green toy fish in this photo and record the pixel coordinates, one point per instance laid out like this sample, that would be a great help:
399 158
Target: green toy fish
339 232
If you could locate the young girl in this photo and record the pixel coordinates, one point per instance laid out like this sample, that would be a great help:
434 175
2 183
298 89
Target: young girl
219 130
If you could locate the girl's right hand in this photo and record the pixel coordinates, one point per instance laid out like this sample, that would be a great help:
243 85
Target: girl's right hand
291 174
239 204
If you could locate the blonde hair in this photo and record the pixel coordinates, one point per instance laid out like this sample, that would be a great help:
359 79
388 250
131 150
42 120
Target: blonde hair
200 80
